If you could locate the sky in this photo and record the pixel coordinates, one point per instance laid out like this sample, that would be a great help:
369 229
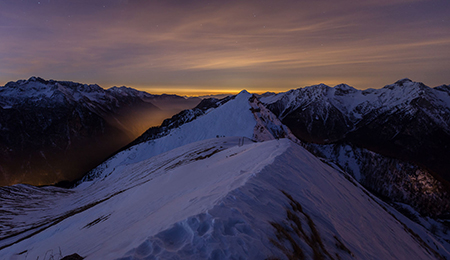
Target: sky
207 47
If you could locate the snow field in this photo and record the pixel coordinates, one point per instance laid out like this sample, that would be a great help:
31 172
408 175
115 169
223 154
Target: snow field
151 204
238 226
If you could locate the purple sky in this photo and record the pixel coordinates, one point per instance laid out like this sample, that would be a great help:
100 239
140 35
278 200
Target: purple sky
193 47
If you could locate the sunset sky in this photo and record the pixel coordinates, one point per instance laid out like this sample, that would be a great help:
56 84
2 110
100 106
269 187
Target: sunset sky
203 47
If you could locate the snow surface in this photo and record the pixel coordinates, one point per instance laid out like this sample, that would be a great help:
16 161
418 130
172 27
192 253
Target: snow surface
213 200
147 197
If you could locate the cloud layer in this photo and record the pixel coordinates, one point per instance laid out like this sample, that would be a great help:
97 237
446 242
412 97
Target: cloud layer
226 45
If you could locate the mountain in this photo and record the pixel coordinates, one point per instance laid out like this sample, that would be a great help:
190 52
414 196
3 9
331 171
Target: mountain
243 115
409 188
52 131
343 109
394 140
222 185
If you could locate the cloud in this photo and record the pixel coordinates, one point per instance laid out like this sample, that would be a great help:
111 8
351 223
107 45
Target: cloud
204 43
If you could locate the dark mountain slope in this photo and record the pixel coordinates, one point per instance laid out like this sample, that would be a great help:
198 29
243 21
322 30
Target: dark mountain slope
58 130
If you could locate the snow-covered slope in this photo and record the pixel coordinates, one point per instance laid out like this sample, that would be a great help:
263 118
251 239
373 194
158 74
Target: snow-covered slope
218 194
214 199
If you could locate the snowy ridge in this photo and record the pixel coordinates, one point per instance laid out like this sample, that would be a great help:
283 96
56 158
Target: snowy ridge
356 104
179 119
215 199
230 230
36 89
237 117
171 181
41 92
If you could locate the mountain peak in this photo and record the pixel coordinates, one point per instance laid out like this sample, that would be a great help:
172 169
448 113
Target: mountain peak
242 115
320 85
37 79
126 91
408 85
343 89
403 81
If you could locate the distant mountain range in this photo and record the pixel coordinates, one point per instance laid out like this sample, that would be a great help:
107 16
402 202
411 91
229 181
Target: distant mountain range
52 131
394 140
406 120
228 180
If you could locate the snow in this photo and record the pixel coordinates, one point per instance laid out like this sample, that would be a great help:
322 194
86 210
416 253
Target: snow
345 156
181 184
214 199
444 96
234 118
272 98
358 103
42 93
34 90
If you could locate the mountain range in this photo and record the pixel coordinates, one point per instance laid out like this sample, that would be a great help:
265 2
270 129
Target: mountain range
395 140
405 120
313 173
53 131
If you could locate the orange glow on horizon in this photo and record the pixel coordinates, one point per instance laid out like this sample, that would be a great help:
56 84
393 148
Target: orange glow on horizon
228 45
195 92
191 92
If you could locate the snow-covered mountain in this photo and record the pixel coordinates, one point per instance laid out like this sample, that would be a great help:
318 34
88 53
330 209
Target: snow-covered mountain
343 109
394 140
58 130
223 184
242 115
